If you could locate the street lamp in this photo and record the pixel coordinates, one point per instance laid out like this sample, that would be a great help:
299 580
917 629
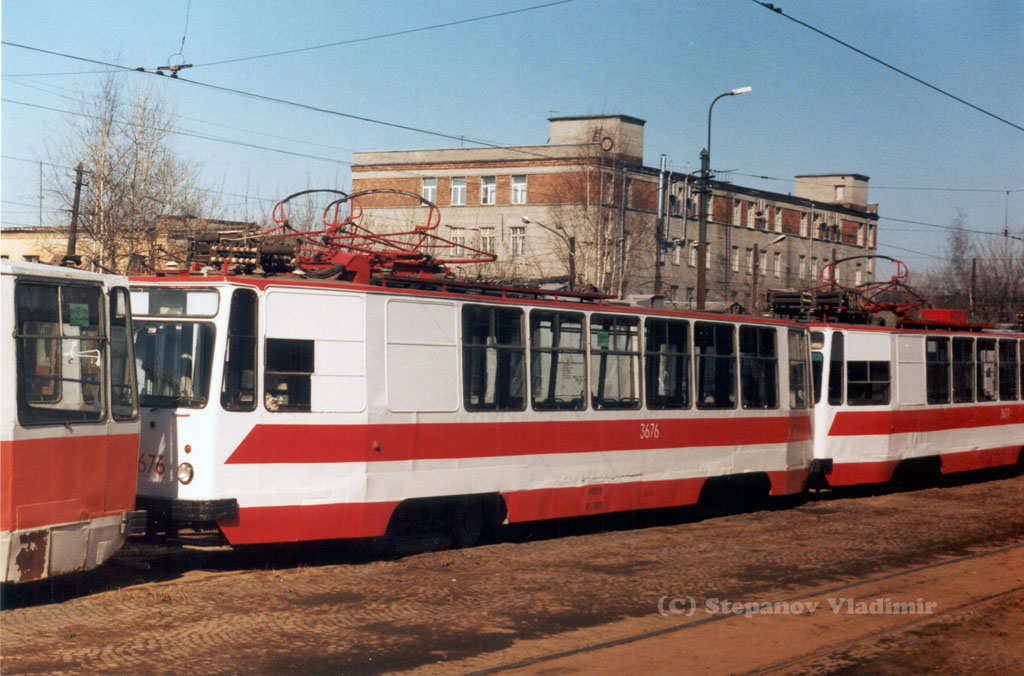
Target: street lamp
570 242
756 302
705 191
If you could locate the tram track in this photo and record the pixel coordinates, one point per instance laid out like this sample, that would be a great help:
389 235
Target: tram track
524 666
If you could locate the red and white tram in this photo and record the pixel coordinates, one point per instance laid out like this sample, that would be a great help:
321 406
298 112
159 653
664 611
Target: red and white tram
914 400
286 409
70 432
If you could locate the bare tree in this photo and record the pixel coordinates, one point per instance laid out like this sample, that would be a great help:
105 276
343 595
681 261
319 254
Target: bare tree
986 278
133 177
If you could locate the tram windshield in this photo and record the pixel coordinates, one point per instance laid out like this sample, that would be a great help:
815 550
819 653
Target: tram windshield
174 361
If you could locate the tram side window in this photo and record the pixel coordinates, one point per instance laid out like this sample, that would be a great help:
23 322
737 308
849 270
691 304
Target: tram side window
817 363
558 369
986 369
59 346
835 370
614 362
122 374
937 370
493 365
238 392
714 345
667 363
1008 367
288 375
867 383
797 369
759 367
963 370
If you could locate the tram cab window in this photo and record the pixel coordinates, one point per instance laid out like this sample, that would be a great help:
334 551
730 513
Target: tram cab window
867 383
614 361
759 367
963 370
817 363
59 353
238 393
1009 388
715 348
493 364
123 403
797 369
287 380
836 361
667 344
937 370
558 369
986 360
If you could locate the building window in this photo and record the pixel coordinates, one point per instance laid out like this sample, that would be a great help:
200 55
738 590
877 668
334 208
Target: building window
692 255
839 193
30 259
430 189
519 190
488 190
518 240
558 369
736 210
750 261
458 191
803 225
494 368
778 219
735 259
858 276
860 234
802 267
707 256
488 241
777 264
751 220
460 243
677 254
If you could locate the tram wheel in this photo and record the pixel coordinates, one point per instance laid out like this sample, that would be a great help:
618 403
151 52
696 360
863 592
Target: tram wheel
466 523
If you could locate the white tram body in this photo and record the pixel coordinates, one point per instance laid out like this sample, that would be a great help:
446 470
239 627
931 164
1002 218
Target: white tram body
285 409
70 426
892 396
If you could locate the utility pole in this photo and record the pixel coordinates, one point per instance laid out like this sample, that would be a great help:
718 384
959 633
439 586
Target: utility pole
73 235
659 232
702 233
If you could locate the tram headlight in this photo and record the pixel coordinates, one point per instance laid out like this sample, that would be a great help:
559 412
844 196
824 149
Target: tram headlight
185 473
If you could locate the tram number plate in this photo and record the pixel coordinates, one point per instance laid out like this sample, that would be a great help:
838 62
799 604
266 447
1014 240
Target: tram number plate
649 431
151 462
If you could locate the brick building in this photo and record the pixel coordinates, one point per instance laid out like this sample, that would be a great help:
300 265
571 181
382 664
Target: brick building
585 201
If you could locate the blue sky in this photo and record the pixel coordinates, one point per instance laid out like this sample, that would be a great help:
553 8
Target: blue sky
816 106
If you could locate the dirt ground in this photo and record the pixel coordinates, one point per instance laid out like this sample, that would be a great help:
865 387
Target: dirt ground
551 588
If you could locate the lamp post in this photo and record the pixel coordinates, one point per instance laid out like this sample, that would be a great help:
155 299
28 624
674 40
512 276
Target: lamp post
570 243
757 301
705 192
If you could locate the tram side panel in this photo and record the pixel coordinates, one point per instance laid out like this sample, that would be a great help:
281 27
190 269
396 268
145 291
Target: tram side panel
889 397
70 421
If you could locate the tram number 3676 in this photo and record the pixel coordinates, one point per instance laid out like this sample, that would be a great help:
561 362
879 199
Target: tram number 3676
151 462
649 431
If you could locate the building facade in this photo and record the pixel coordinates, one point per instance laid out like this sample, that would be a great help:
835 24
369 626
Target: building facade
585 206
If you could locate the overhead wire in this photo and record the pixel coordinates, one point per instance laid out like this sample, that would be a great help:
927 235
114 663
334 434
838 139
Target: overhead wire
778 10
408 31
